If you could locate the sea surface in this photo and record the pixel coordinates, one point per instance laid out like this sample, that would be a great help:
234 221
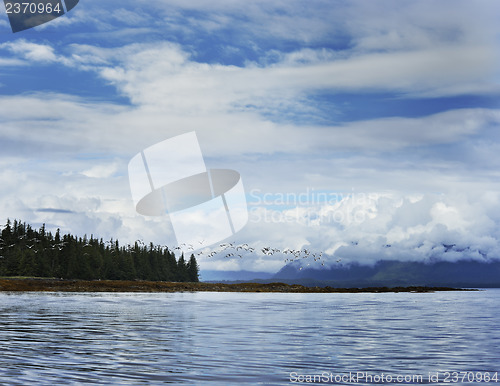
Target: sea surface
249 338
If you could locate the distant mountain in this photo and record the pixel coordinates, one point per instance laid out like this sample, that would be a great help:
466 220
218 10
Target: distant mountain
208 275
463 273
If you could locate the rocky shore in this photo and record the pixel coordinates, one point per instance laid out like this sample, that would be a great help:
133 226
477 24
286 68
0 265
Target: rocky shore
43 284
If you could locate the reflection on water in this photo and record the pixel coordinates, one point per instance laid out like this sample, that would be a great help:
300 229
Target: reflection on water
230 338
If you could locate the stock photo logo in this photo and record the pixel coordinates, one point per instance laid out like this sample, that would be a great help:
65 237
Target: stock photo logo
28 14
170 178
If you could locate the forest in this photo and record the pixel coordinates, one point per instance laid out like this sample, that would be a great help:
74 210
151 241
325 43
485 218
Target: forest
25 251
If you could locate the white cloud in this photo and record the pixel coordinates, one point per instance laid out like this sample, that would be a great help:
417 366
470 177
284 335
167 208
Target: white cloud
102 170
163 76
67 155
32 52
100 129
366 228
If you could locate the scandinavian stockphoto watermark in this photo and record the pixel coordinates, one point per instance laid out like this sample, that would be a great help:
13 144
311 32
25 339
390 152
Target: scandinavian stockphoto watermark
310 207
366 377
25 14
170 178
206 206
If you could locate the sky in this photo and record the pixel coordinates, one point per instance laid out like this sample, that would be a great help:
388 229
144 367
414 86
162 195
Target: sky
364 130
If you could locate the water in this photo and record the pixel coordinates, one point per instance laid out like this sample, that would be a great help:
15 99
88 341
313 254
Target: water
253 338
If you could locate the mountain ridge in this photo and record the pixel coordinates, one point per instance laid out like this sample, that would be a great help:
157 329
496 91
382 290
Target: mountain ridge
384 273
462 273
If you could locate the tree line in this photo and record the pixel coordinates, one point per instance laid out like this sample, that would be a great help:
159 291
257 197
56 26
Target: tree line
25 251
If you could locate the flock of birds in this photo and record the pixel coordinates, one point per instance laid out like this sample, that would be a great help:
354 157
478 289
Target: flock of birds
227 250
59 246
233 250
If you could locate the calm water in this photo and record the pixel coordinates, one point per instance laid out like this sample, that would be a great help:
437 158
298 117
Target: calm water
231 338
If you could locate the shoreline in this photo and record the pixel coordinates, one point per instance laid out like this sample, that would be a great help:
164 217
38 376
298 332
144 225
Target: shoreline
68 285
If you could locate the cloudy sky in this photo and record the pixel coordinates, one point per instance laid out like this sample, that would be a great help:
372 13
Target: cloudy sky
361 129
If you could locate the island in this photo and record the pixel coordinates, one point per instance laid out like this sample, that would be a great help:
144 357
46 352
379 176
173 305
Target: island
66 285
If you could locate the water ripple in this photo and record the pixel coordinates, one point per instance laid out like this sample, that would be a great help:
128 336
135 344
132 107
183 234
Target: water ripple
229 338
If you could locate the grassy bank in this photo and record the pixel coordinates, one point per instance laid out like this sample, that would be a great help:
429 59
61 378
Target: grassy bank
44 284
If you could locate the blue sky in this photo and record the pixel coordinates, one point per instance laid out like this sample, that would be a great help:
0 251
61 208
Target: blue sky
392 106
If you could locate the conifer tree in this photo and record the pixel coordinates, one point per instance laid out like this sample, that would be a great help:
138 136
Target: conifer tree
182 274
193 269
31 252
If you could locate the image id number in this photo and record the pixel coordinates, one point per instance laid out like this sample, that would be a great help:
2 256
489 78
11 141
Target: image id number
32 8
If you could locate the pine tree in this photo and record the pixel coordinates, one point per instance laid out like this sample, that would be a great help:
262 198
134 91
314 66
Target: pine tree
192 269
182 274
31 252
